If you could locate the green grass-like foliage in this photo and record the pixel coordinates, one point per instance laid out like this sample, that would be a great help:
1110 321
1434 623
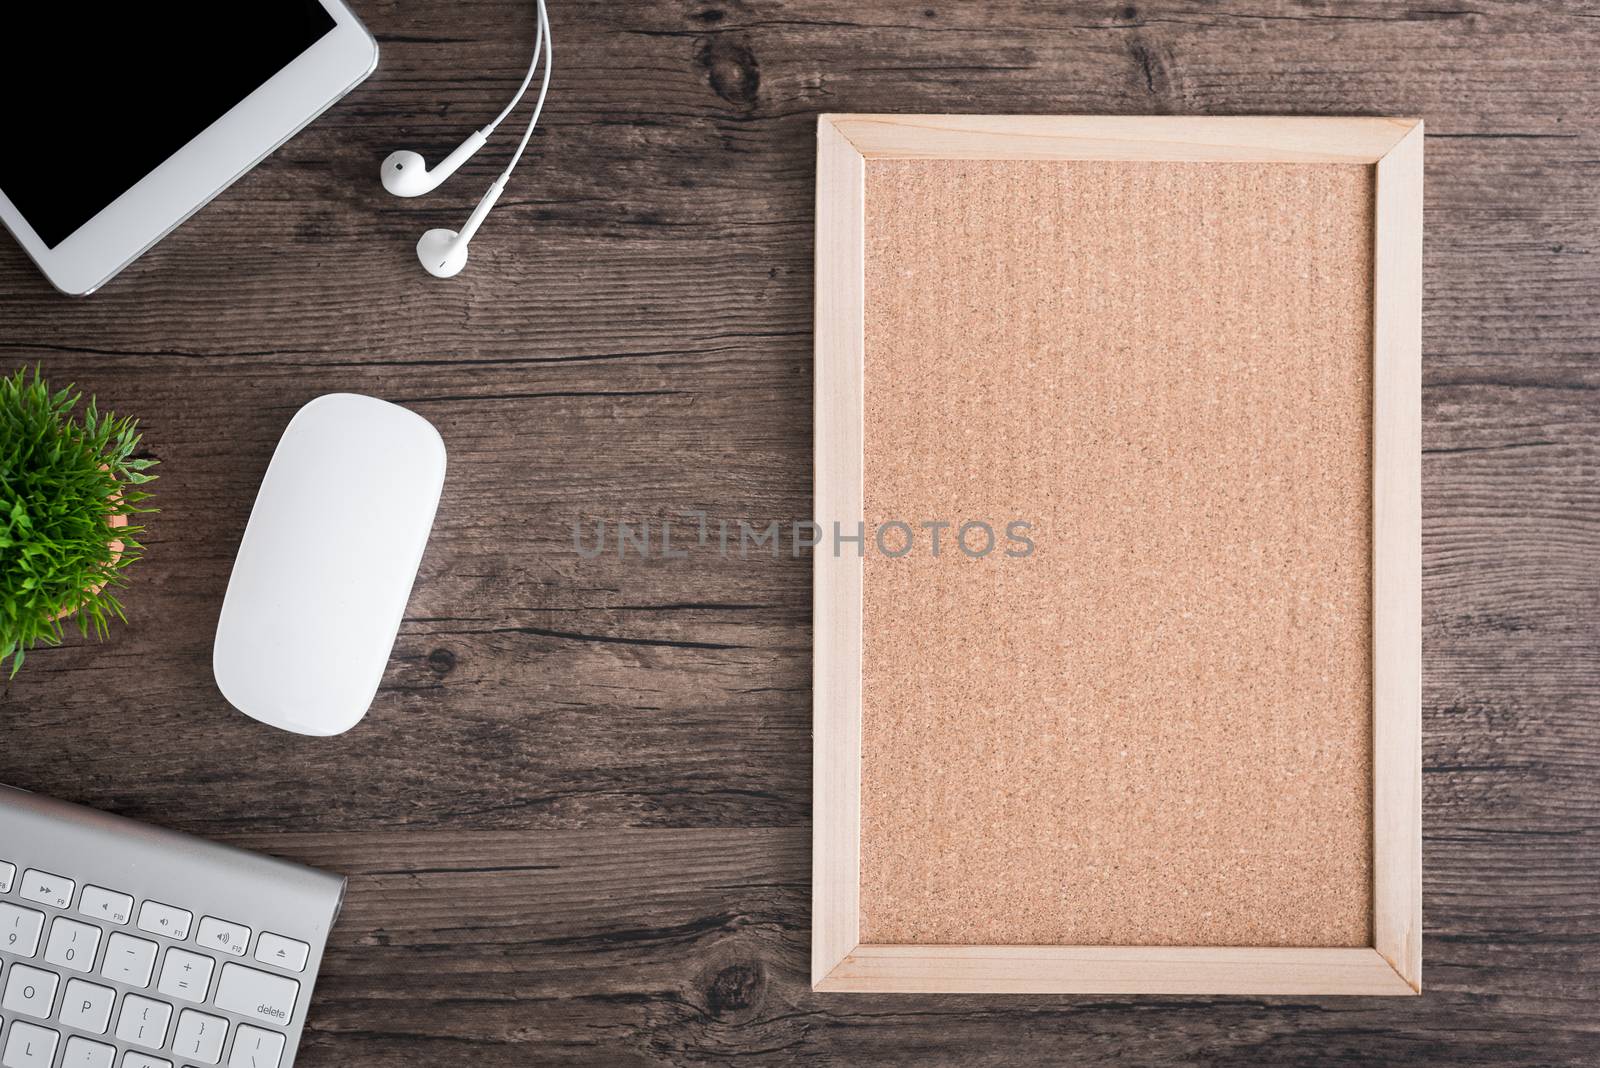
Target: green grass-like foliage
62 478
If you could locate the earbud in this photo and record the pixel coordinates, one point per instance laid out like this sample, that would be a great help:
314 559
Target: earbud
444 252
406 173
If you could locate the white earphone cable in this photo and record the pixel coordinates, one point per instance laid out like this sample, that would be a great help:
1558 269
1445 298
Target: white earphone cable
527 79
544 87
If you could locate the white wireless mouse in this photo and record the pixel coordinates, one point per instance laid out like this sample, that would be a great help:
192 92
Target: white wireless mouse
326 565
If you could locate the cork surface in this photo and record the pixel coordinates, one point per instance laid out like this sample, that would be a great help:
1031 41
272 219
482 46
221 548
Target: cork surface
1155 729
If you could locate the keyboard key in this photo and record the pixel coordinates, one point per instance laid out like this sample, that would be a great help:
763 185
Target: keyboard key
19 930
72 945
255 1048
30 1047
81 1053
107 906
129 960
185 975
224 937
133 1059
8 875
156 918
282 952
87 1006
199 1037
143 1022
258 995
30 992
47 889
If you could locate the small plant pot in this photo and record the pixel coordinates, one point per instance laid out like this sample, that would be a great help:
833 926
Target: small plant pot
70 511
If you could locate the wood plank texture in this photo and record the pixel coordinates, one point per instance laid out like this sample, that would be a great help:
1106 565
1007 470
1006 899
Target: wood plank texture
578 819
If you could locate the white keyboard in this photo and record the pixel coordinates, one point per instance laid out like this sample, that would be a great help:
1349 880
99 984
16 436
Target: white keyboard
125 946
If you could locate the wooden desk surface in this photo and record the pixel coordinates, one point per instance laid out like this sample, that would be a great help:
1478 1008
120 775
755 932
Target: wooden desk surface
577 819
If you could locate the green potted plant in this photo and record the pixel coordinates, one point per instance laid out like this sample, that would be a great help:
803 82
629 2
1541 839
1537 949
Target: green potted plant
69 487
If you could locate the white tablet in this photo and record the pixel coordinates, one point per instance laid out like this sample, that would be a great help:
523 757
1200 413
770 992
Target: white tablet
122 120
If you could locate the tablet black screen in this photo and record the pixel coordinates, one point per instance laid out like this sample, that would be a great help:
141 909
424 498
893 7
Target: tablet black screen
98 95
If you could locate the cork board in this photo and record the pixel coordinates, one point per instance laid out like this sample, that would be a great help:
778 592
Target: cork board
1150 720
1165 368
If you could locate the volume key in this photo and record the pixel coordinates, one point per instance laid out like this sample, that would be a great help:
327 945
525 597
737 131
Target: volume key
169 920
222 936
104 905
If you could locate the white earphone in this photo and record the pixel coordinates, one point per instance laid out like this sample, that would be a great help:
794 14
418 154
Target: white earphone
406 174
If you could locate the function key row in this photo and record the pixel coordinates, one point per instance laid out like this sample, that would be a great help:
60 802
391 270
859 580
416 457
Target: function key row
169 921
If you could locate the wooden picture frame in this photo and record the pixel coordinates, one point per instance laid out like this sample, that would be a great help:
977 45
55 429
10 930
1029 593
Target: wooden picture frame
1392 964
